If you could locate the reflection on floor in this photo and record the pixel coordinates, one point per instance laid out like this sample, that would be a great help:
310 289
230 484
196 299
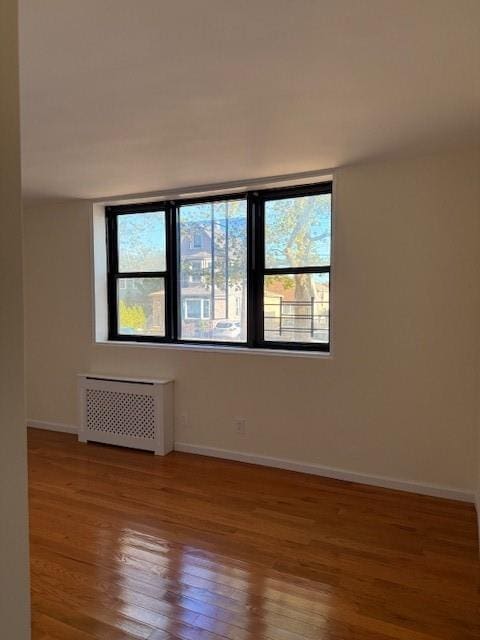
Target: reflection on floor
128 545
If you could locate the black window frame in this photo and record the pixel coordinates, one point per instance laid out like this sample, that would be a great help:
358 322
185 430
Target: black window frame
256 270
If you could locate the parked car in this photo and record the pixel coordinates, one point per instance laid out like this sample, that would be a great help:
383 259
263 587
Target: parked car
225 329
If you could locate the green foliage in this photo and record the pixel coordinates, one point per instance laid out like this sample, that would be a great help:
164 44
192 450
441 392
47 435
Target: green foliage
286 281
131 316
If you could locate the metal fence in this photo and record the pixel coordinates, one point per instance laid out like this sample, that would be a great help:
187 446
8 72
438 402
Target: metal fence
289 319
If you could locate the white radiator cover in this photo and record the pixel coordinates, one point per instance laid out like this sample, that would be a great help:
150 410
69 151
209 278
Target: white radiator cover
129 412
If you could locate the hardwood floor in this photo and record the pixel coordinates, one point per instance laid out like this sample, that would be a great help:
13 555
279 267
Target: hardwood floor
127 545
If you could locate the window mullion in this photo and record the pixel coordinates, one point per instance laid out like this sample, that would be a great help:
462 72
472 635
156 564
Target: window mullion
172 268
252 207
142 274
256 245
276 271
112 270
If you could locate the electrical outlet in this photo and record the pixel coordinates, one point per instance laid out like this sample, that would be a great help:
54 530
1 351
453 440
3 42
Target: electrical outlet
184 423
240 425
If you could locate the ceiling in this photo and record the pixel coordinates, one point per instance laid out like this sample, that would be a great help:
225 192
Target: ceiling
130 96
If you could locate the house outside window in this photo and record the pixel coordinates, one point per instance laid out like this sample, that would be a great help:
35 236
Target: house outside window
197 241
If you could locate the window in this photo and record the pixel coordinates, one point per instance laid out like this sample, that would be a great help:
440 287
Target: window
197 241
296 266
220 273
196 309
193 271
248 269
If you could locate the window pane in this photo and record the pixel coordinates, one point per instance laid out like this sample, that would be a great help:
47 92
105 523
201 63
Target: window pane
297 232
296 308
141 306
213 271
197 309
141 242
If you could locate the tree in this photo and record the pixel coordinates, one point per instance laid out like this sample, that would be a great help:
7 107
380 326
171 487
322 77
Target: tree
141 241
131 316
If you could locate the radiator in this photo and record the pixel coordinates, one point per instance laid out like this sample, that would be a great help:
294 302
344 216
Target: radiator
127 412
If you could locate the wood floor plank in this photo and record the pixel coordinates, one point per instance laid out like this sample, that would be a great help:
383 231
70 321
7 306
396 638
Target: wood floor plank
128 545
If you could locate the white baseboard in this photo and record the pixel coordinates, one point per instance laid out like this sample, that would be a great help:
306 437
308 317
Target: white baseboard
437 491
52 426
330 472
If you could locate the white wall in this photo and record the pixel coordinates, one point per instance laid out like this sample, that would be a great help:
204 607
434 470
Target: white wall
398 397
477 496
14 583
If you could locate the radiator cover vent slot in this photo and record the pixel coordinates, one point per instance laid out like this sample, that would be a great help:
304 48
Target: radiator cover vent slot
127 412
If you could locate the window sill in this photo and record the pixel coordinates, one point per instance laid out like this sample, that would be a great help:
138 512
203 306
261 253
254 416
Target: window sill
217 348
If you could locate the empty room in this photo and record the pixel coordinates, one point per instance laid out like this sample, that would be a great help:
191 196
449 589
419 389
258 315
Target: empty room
240 319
